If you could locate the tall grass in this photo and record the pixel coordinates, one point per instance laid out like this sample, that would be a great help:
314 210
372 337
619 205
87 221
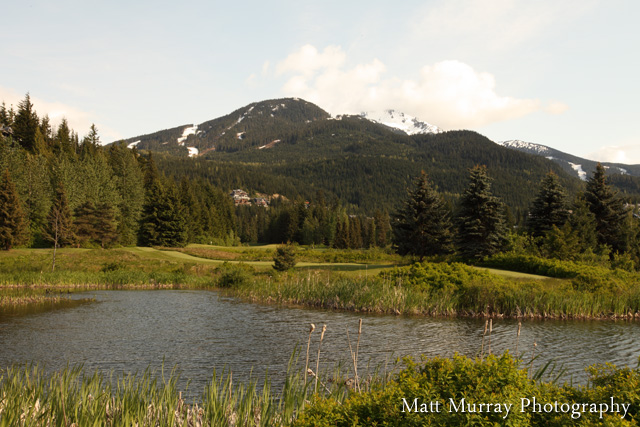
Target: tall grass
73 396
469 293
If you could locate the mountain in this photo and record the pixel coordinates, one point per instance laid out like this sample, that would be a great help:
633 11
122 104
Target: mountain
403 122
296 149
259 124
575 165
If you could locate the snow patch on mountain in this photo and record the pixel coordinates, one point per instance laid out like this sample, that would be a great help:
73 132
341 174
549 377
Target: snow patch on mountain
516 143
193 151
133 144
190 130
578 168
401 121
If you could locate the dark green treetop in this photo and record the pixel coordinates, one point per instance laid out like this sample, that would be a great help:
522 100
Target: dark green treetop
422 226
480 219
549 207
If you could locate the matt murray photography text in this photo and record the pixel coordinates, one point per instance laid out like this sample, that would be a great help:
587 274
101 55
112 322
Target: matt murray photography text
576 410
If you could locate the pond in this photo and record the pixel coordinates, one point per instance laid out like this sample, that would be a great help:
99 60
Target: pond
198 330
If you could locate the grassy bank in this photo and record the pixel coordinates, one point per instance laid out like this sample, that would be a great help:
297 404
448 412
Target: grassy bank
418 394
439 290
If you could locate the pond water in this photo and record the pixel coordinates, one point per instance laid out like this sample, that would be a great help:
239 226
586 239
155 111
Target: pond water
197 331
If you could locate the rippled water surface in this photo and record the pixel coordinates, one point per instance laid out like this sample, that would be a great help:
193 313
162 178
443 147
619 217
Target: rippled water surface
197 331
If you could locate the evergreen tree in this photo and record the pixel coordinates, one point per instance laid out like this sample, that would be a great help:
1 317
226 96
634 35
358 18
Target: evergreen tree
163 221
12 218
285 257
85 222
382 228
192 211
549 207
608 210
342 240
480 221
422 226
105 225
25 124
583 226
129 183
355 233
90 143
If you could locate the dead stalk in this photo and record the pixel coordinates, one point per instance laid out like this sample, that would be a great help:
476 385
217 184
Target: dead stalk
518 338
312 327
357 349
324 329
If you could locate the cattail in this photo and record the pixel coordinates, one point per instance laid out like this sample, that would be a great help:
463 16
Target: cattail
324 329
312 327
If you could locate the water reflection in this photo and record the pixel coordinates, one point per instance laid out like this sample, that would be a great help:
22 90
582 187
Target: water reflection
127 331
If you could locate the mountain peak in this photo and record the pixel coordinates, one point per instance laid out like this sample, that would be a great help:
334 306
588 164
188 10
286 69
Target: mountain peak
401 121
525 146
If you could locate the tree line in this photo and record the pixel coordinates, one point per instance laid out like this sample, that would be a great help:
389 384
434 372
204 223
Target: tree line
59 190
597 222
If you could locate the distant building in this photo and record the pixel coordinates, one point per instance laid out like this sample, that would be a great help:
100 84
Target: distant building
240 197
259 201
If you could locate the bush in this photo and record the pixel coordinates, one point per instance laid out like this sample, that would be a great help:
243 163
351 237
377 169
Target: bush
233 275
285 257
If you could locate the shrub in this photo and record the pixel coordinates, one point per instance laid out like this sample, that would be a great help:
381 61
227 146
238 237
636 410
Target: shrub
233 275
285 257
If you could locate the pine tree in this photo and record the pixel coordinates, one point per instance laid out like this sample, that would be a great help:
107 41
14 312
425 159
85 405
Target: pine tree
480 222
129 183
12 218
608 210
25 124
355 233
285 257
583 225
163 221
105 225
85 223
341 240
382 228
549 207
422 226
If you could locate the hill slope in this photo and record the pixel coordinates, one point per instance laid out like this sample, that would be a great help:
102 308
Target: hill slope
294 148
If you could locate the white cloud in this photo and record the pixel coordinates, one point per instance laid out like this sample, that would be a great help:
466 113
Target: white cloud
80 121
450 94
628 154
307 60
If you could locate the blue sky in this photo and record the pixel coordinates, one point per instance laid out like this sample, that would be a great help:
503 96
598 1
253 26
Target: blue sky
562 73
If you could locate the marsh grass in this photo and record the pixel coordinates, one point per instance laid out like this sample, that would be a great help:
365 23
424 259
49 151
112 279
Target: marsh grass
31 396
473 292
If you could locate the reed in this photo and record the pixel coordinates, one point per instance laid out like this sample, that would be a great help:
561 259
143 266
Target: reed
312 327
317 373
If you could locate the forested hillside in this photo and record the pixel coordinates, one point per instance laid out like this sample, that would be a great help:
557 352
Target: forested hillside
332 181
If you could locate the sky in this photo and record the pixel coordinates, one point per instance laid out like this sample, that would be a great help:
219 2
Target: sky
561 73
